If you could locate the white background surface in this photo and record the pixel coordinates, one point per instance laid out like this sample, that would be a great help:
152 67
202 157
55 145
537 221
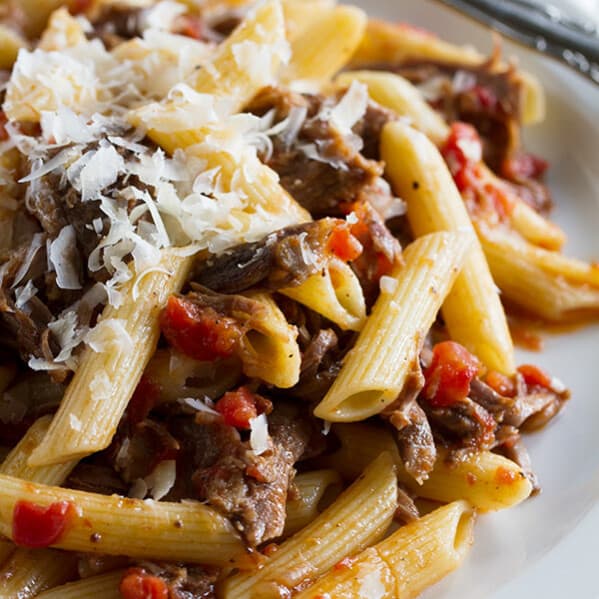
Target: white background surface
549 546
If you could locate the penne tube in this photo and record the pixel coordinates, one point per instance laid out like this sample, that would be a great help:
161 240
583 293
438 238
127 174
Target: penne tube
375 370
98 395
486 480
335 293
103 586
15 464
36 13
10 44
546 284
62 31
244 63
536 228
116 525
391 43
407 562
29 572
311 488
472 310
358 517
398 94
301 14
271 352
325 46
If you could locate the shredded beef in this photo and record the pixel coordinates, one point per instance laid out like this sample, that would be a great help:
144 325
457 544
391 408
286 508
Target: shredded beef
95 478
484 96
414 435
406 508
250 490
370 128
184 581
115 24
285 258
319 185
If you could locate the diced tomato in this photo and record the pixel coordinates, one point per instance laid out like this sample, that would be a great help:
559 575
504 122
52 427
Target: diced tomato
3 131
524 166
534 376
38 526
191 26
384 266
343 244
238 407
138 584
485 96
144 399
500 383
506 477
449 375
463 151
199 332
502 203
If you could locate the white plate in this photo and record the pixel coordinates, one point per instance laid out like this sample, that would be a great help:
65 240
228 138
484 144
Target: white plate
549 546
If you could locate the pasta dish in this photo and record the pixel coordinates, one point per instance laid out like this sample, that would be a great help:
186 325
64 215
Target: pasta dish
255 264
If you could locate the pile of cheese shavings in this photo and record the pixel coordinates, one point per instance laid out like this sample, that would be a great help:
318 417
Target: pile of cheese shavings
81 97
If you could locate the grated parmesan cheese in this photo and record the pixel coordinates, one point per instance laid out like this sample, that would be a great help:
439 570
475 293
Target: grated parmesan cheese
108 334
161 480
259 437
63 256
388 284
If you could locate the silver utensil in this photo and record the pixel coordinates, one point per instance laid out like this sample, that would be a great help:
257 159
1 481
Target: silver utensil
543 27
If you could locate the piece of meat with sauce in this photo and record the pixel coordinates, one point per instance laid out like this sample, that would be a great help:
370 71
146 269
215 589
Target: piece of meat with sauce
169 580
249 489
285 258
319 166
414 435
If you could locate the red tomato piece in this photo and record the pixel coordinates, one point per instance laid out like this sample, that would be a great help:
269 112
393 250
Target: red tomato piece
343 244
38 526
144 399
191 27
463 151
448 377
238 407
500 383
138 584
199 332
534 376
524 166
485 96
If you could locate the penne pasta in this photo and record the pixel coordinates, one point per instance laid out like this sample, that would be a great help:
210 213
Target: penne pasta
245 62
311 488
335 293
358 517
100 390
10 44
486 480
29 572
271 352
323 48
392 43
545 283
103 586
62 31
117 525
472 311
374 372
398 94
15 464
410 560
